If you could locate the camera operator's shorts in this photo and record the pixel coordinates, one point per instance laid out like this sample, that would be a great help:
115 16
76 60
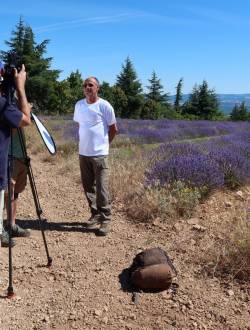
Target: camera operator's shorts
19 176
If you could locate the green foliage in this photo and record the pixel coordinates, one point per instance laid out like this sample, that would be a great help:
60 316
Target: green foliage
154 110
64 98
240 112
202 103
116 96
75 82
106 92
151 110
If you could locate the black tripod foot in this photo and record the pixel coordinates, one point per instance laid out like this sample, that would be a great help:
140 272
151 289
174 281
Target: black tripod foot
10 293
49 262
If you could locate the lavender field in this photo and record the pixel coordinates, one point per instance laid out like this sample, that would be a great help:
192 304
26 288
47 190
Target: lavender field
201 154
165 172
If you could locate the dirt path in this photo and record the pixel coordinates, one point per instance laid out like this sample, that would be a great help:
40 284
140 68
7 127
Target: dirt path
82 289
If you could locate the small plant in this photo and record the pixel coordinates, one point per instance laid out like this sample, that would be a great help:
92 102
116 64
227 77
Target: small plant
186 198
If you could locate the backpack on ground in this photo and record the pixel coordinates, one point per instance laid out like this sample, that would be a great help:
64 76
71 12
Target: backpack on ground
152 270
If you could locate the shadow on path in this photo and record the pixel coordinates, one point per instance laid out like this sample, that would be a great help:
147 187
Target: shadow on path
56 226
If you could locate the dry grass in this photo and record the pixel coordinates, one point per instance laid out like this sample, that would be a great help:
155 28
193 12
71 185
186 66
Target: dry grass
224 249
230 257
34 141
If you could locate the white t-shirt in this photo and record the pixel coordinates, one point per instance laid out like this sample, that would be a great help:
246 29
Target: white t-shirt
94 121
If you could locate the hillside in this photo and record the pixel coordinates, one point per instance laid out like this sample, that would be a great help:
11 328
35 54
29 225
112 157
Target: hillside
227 101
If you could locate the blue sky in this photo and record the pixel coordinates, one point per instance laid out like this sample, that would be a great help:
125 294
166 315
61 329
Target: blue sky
193 39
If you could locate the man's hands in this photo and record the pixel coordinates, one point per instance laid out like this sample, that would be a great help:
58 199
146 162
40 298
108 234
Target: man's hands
20 79
112 132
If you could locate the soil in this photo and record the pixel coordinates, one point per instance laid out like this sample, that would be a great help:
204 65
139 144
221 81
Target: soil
84 288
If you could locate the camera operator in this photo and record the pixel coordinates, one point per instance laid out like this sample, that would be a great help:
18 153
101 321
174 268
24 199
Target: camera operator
11 116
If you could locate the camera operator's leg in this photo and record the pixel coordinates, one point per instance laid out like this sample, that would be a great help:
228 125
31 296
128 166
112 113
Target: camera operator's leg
3 233
102 189
88 183
18 184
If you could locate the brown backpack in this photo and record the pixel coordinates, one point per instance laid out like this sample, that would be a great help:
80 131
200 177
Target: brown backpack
152 270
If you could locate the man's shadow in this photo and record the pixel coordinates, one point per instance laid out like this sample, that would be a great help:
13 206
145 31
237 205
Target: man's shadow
70 226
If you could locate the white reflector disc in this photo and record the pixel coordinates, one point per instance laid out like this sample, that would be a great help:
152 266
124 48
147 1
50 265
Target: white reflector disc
47 138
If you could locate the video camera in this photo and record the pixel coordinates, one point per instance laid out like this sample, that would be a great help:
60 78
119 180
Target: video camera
13 61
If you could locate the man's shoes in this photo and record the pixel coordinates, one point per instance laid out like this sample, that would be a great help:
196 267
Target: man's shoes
104 229
5 240
93 222
18 231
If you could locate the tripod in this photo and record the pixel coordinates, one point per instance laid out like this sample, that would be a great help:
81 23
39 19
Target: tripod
36 201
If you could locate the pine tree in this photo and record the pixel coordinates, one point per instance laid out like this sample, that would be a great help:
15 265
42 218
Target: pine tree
155 90
156 104
127 81
202 103
240 112
16 41
41 80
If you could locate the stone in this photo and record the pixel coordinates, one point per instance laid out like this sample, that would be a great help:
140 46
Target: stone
98 312
230 293
199 228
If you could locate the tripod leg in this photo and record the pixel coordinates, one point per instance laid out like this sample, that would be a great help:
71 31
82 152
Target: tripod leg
38 210
34 193
10 290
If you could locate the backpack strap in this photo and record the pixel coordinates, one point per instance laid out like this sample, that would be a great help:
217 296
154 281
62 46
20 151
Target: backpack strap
169 261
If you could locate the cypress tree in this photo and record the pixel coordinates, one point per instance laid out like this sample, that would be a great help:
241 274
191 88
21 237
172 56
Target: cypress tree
178 96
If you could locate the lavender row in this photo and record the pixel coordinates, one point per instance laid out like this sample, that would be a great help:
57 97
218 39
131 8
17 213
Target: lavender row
153 131
221 161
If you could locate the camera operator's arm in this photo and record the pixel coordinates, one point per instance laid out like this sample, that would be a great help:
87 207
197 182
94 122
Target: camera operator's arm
24 106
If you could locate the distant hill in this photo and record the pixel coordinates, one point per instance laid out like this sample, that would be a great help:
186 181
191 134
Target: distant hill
227 101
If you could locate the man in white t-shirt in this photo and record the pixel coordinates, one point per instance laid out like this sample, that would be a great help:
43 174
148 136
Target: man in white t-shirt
97 128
